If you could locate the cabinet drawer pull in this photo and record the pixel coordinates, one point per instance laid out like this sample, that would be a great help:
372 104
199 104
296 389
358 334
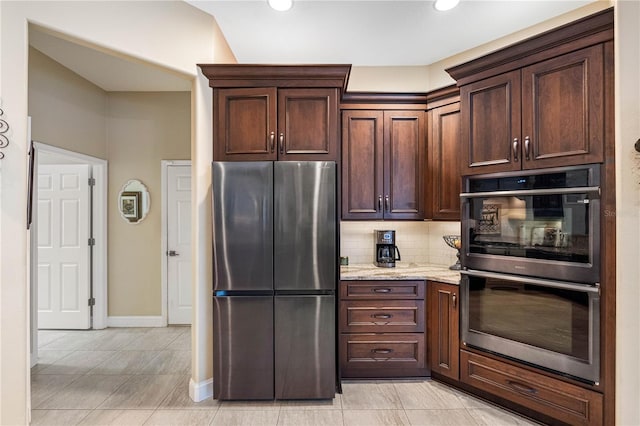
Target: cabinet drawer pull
522 388
272 141
382 351
387 203
453 299
381 290
379 203
527 147
281 141
515 149
382 316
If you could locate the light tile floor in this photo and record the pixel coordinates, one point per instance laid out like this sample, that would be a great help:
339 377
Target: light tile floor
140 376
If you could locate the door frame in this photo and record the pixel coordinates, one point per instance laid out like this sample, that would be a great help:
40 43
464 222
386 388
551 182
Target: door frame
99 171
165 164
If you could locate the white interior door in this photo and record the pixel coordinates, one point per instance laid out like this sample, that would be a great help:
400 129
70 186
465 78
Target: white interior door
63 216
179 244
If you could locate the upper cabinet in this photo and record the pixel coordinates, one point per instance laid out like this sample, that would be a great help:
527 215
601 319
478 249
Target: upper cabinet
383 163
266 123
444 151
540 103
272 112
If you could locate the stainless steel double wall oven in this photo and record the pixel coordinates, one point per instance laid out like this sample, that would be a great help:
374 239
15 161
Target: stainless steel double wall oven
531 267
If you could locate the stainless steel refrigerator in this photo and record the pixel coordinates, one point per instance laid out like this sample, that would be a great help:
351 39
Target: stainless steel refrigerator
275 275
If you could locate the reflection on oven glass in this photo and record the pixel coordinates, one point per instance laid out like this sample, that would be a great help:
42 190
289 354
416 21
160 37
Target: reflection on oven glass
548 318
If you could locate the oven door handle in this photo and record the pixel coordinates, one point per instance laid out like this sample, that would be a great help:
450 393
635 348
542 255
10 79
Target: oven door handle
592 191
587 288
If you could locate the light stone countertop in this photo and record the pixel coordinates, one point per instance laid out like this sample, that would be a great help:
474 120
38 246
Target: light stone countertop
408 271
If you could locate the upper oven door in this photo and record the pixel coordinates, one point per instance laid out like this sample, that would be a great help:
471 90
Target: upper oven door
544 224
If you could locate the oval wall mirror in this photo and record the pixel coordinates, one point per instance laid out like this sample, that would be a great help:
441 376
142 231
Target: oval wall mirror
134 201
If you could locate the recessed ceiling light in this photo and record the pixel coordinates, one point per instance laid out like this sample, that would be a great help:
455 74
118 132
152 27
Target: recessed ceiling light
442 5
280 5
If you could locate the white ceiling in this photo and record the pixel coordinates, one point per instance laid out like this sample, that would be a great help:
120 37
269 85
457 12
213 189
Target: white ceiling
371 33
358 32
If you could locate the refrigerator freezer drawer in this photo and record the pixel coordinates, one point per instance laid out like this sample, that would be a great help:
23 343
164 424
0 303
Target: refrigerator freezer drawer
305 366
243 350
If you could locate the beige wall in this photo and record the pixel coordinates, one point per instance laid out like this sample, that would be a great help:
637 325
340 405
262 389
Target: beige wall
389 79
627 212
67 111
142 129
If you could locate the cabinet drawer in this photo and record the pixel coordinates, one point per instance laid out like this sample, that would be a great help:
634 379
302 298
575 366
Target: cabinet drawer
382 355
382 316
560 400
382 289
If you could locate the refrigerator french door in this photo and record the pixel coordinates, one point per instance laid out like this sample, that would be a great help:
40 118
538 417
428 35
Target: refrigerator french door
275 274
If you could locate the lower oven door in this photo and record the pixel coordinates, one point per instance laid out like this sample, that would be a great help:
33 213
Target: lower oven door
550 324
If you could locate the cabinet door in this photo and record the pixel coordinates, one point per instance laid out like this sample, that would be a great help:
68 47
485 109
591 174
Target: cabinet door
443 326
445 150
308 124
563 110
245 124
404 160
490 111
362 165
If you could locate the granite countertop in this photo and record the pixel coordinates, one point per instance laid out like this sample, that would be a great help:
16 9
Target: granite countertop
409 271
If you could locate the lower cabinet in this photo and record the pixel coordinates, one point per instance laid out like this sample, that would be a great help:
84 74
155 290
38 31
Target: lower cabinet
382 329
410 328
443 329
563 401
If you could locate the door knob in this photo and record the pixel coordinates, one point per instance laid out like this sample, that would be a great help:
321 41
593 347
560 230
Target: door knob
173 253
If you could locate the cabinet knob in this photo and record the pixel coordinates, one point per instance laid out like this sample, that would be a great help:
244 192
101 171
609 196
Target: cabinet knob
281 142
454 300
272 141
515 149
527 147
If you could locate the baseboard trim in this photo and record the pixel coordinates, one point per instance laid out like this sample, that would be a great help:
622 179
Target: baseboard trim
201 390
135 321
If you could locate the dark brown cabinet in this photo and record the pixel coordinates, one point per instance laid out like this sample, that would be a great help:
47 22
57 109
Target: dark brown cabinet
383 159
444 150
267 123
563 401
382 329
443 329
547 114
276 112
547 111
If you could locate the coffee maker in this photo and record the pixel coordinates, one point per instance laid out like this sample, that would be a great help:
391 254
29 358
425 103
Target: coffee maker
386 249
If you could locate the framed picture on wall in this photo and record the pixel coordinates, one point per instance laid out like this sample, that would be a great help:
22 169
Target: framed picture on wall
130 205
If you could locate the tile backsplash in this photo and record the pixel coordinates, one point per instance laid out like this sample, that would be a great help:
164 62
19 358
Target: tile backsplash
418 242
